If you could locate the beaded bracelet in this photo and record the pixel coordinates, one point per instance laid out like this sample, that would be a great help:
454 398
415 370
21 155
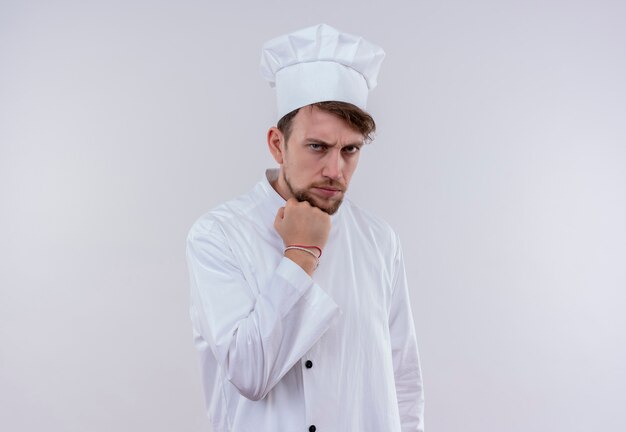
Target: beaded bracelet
309 247
317 260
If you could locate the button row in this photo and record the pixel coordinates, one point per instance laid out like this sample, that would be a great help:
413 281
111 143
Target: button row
309 365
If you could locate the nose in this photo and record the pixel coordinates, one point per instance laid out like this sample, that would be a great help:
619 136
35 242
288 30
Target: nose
333 165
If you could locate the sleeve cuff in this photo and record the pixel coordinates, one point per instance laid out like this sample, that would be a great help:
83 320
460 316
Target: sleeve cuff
306 288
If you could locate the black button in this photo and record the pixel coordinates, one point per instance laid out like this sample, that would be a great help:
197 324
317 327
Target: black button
309 365
312 428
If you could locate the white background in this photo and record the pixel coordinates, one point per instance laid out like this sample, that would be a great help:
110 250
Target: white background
500 160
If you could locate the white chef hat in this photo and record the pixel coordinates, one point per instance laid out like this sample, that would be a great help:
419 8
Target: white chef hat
318 64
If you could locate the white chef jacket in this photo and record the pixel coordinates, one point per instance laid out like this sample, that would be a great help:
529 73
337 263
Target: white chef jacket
282 351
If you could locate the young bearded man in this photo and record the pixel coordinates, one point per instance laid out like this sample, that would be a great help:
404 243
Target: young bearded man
299 299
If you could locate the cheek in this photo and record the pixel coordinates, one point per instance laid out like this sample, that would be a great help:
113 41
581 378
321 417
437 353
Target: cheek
306 166
300 170
350 166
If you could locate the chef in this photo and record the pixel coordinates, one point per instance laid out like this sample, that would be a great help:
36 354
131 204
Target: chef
299 298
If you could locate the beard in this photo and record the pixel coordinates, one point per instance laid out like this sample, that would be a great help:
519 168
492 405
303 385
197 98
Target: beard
304 195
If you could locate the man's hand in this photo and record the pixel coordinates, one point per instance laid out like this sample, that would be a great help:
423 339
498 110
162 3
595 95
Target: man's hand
301 223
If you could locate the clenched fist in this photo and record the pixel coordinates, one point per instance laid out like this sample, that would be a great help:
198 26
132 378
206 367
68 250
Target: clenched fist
301 223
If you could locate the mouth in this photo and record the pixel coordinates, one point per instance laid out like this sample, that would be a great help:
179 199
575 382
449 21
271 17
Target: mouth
327 192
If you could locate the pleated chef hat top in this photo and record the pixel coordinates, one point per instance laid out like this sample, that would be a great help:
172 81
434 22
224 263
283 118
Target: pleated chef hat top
320 63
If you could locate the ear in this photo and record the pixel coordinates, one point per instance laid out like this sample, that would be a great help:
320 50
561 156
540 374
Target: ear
275 139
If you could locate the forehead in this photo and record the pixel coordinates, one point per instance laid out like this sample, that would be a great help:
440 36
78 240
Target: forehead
312 122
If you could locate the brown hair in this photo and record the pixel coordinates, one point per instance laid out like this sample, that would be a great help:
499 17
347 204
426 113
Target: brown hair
354 116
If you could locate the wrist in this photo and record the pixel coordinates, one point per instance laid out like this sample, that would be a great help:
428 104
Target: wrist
305 260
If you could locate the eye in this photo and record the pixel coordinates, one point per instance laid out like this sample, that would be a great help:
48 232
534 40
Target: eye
351 149
317 147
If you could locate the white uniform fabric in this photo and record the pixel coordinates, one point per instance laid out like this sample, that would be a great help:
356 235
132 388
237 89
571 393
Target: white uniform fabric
259 319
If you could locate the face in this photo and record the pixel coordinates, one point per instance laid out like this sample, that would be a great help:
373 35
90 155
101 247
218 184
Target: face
317 163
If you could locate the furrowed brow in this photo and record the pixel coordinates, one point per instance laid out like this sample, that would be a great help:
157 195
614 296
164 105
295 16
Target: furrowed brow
318 141
327 144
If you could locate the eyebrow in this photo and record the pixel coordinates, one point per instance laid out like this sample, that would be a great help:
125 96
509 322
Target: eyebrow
327 144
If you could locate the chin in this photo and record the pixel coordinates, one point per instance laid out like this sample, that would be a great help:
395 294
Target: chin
329 207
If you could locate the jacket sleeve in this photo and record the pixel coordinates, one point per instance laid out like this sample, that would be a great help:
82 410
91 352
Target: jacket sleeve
255 337
406 362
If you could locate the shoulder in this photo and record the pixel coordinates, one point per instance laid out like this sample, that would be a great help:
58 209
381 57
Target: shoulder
233 212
